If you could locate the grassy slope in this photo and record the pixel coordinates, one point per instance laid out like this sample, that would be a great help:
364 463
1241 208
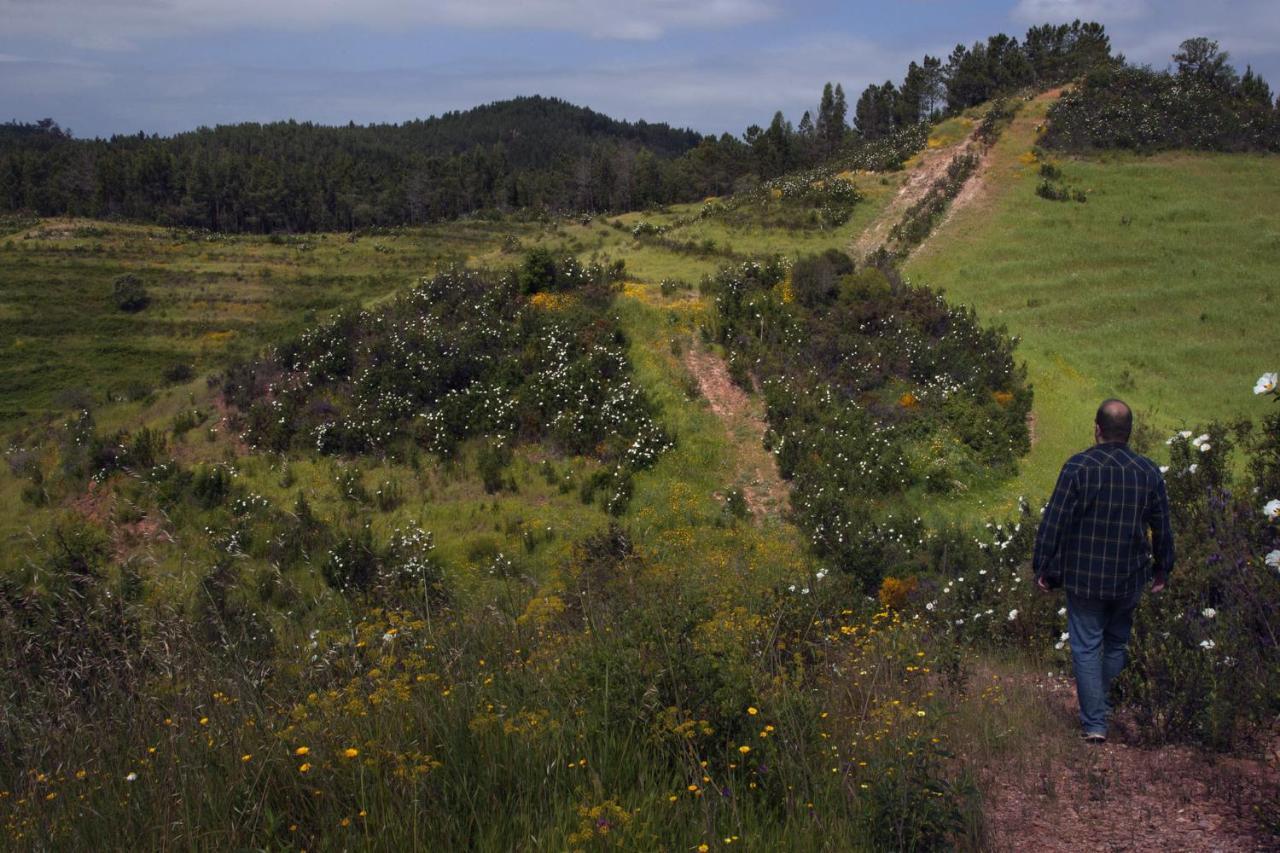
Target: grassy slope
211 296
1160 289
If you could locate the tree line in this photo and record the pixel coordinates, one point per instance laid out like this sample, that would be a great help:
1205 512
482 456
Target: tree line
529 153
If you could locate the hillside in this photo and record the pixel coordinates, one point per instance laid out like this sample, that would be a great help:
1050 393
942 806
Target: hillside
1159 288
529 152
703 525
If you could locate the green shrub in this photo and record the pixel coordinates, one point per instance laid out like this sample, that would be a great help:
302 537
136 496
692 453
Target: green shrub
129 293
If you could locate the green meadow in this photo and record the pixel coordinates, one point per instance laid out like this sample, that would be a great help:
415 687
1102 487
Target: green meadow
1160 289
678 674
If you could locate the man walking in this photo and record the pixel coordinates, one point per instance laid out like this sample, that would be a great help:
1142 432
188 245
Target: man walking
1093 541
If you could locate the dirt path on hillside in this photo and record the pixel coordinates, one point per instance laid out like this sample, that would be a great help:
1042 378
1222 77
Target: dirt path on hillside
931 166
1067 796
756 471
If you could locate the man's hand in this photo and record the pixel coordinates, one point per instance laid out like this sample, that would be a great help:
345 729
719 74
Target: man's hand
1158 583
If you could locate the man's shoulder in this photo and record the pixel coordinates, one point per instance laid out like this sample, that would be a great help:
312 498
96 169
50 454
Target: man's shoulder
1112 454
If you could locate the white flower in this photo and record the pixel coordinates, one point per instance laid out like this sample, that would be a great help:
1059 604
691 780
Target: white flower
1208 613
1272 559
132 777
791 588
1013 614
1272 509
1164 469
1199 440
1066 635
1193 467
1186 433
1207 644
804 591
1204 448
1266 383
959 621
1062 611
1058 645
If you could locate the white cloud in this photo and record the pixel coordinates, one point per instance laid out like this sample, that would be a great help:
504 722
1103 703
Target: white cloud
125 24
1058 11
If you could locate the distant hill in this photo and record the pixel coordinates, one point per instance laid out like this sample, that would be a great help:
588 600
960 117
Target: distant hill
529 153
524 152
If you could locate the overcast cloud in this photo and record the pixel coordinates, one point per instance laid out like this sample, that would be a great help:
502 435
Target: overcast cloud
115 66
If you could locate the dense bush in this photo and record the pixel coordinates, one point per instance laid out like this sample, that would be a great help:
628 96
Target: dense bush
529 354
1202 104
872 387
129 294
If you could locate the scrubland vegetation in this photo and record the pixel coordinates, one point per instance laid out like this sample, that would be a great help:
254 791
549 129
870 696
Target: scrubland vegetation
428 538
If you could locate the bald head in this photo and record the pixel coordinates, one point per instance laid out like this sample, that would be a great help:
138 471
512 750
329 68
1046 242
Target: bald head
1114 420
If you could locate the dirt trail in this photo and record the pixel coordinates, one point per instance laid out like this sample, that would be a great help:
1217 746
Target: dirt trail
1071 796
931 166
756 472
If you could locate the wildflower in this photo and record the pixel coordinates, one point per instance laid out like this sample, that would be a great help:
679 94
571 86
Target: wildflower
753 711
1013 614
1164 469
204 721
246 757
132 777
1208 613
1272 510
304 767
1207 644
1193 467
350 752
702 848
1204 448
1266 383
1199 440
744 749
302 750
1062 611
1272 559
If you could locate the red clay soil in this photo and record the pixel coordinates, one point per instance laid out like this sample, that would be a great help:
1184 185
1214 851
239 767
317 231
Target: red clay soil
743 418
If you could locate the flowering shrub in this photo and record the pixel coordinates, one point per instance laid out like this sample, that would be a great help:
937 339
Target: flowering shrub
463 354
1146 110
834 380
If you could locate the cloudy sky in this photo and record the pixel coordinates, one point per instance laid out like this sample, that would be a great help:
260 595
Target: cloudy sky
119 66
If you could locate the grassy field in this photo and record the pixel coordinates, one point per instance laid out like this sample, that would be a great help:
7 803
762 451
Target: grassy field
708 686
1160 289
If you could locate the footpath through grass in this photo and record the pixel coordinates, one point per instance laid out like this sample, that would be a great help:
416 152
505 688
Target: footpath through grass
1160 289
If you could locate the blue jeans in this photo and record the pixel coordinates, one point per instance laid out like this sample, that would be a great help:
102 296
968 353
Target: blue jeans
1099 635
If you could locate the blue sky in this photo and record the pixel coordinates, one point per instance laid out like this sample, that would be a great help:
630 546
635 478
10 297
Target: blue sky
119 66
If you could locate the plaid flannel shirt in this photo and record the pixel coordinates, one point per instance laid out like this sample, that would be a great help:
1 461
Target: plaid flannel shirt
1093 536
